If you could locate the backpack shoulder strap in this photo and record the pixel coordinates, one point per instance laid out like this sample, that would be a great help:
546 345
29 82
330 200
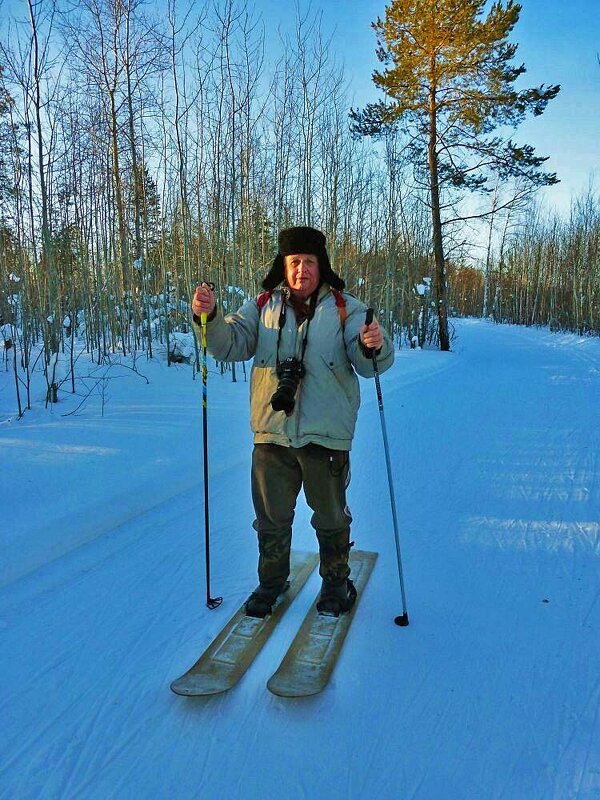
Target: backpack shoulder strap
340 302
263 298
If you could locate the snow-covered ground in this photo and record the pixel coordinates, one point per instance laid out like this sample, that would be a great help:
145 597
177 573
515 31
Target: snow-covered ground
493 691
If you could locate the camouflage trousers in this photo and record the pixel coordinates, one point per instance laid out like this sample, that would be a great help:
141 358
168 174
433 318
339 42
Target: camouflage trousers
278 474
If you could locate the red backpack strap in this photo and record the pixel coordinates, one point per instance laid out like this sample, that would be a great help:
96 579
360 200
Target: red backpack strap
262 299
341 305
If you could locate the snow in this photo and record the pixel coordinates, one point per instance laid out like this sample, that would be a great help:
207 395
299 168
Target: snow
493 691
424 288
182 346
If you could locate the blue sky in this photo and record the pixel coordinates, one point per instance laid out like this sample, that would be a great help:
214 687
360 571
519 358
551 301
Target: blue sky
558 42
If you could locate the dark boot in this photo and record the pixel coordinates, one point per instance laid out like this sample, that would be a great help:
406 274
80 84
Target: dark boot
337 591
336 598
263 598
334 550
274 558
273 571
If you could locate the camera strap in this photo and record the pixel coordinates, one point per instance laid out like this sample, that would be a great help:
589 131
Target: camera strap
282 319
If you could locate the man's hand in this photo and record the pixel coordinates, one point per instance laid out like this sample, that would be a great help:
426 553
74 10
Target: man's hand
203 301
371 335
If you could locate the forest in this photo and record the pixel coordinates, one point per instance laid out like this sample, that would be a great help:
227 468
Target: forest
143 149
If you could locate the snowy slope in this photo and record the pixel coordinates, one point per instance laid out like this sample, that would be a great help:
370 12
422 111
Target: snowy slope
492 692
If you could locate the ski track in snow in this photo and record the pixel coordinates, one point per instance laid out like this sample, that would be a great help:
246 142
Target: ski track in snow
492 692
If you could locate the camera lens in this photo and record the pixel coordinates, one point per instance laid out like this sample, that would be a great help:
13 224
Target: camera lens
289 372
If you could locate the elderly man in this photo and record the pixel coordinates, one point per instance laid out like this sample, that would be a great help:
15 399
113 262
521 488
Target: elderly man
309 340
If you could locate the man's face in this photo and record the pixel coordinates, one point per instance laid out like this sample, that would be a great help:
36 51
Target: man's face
302 274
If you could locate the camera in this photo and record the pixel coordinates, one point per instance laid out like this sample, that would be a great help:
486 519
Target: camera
289 373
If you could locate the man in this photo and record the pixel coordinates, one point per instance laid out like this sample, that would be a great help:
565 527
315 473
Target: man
309 340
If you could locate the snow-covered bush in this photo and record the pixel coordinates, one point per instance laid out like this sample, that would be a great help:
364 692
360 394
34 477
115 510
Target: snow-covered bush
181 347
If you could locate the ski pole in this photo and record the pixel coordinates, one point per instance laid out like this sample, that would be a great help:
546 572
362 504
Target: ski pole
211 602
402 619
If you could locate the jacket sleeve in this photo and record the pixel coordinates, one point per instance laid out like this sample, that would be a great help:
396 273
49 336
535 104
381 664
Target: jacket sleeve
363 364
234 337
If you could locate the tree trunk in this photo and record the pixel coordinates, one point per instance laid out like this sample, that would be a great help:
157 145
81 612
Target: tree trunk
123 256
438 246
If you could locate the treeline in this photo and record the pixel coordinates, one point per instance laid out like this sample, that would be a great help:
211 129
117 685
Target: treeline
141 152
545 272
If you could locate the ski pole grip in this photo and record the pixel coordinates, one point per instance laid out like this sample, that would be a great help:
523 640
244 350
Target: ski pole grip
369 351
204 314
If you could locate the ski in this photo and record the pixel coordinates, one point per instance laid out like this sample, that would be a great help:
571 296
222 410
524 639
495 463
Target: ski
230 654
310 659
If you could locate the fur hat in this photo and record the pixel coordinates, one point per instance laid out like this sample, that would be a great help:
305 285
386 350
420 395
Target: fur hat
302 240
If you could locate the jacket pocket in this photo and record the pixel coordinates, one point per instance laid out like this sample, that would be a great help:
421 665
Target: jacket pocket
344 398
263 382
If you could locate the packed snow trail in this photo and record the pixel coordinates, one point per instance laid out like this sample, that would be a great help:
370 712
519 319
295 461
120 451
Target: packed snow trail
492 692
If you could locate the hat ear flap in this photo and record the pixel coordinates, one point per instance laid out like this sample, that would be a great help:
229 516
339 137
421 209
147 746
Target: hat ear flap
276 274
328 275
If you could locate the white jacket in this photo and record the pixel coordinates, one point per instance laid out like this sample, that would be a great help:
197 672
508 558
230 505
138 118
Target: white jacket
328 396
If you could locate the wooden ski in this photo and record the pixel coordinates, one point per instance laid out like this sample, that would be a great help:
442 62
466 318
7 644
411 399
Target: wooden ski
310 659
230 654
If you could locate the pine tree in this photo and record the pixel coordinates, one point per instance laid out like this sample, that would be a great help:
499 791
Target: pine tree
449 82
